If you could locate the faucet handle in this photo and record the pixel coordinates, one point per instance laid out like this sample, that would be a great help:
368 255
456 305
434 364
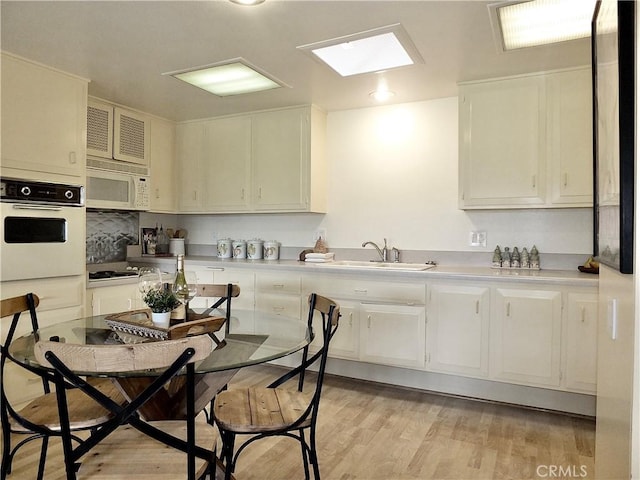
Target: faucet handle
396 255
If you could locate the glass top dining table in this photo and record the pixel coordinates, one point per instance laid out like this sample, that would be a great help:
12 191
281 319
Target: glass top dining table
252 337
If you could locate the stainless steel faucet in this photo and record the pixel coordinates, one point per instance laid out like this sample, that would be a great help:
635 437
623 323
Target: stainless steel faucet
382 252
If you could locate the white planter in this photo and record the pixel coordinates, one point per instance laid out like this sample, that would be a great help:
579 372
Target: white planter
161 319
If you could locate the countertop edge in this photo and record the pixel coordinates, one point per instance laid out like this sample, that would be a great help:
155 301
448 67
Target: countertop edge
440 272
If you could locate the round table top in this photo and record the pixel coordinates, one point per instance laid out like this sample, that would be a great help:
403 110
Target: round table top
253 337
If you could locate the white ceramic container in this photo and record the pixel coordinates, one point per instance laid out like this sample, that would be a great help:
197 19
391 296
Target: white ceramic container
224 248
254 249
271 250
239 249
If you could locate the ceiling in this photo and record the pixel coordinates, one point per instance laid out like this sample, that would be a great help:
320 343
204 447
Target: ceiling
123 47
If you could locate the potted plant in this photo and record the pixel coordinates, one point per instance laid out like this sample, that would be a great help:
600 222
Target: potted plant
161 302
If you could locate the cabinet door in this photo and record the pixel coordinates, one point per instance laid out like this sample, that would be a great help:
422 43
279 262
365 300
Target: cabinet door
228 161
502 143
114 299
44 118
458 329
280 154
189 151
162 161
525 336
570 156
99 129
581 342
345 341
392 335
130 136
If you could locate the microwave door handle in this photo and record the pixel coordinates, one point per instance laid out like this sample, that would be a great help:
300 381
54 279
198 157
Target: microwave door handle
38 207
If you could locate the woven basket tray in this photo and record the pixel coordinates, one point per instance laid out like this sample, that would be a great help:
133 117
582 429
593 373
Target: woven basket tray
138 322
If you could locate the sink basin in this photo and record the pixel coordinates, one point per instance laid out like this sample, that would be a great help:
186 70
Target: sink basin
363 265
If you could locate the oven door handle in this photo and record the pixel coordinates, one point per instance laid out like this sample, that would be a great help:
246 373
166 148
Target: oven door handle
38 207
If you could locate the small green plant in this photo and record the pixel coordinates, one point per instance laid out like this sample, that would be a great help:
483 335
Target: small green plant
160 301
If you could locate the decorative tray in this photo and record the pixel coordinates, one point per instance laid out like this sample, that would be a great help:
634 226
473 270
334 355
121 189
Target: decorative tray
138 322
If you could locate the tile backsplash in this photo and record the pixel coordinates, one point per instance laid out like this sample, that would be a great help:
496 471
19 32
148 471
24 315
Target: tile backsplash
108 234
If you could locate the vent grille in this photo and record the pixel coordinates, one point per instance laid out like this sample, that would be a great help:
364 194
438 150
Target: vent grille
117 166
98 129
131 137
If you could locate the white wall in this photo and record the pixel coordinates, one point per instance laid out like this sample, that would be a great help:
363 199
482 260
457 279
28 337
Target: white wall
393 172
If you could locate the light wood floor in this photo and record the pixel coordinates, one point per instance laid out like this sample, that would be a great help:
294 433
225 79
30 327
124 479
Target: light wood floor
369 431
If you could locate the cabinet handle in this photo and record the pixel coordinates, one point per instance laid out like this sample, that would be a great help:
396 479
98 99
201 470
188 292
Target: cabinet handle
508 309
368 321
360 291
260 193
533 181
582 315
157 193
242 194
351 319
278 285
72 158
130 305
477 307
565 179
195 195
278 308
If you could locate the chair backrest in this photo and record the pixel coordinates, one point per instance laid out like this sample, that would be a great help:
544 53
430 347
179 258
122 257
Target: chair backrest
329 312
224 292
16 306
69 361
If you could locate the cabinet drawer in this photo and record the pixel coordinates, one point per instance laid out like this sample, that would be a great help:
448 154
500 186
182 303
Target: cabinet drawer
278 283
355 288
54 293
285 305
238 277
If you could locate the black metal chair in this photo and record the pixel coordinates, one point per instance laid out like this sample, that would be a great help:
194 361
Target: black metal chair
39 418
224 293
128 446
265 412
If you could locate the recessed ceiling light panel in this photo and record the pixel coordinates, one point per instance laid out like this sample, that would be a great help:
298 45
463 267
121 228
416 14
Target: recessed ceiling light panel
371 51
533 23
233 77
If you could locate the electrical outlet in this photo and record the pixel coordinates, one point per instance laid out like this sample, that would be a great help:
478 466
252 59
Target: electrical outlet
477 239
320 233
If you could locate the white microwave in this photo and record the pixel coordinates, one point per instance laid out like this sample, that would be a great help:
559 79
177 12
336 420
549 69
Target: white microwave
117 191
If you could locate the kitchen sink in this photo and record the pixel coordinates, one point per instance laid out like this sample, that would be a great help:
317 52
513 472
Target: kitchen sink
363 265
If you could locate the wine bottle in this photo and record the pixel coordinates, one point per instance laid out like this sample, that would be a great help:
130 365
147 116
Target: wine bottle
180 287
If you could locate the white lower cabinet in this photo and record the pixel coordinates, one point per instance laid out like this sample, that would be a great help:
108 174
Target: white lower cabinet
345 342
392 334
581 342
526 336
280 293
114 299
458 328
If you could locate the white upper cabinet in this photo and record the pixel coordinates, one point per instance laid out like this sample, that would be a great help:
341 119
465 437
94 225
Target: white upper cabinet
502 150
570 138
227 157
43 119
526 142
162 165
270 161
118 133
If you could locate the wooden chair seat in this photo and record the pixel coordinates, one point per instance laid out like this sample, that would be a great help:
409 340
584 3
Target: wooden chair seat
84 412
252 410
127 453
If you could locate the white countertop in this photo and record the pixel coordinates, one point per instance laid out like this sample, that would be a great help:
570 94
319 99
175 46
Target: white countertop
560 277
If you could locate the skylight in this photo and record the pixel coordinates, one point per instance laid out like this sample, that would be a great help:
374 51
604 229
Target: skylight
233 77
371 51
539 22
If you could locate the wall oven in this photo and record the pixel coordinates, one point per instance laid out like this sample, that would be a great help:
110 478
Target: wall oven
42 229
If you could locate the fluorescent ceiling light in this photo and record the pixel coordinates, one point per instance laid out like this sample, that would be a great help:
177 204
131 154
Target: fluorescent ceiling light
371 51
539 22
233 77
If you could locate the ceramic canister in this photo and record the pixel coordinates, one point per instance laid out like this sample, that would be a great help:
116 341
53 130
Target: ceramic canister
239 249
224 248
176 246
254 249
271 250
